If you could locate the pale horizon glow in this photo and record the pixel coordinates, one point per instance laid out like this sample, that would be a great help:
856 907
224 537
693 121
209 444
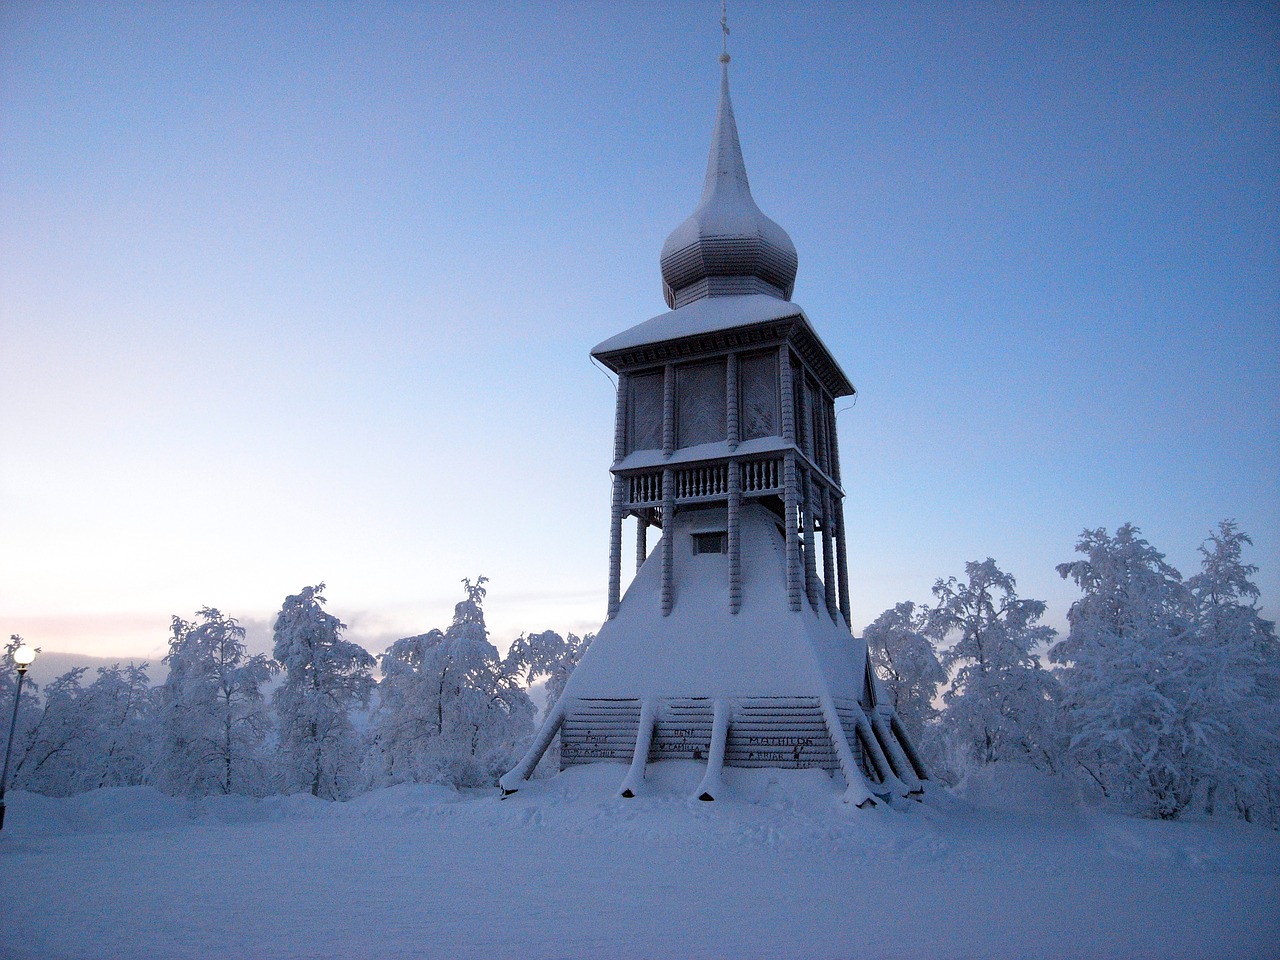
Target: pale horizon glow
305 292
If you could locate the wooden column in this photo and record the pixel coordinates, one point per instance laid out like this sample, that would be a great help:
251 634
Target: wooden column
620 418
829 561
842 555
618 499
810 532
842 561
731 400
791 495
788 395
615 546
804 422
735 540
668 538
642 538
668 410
834 438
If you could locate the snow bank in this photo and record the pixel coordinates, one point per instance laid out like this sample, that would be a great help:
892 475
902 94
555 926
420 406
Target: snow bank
565 868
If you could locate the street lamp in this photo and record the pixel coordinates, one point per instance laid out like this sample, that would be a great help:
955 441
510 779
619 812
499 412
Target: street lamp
22 657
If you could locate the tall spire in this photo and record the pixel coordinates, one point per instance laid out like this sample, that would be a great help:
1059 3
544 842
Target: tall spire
727 246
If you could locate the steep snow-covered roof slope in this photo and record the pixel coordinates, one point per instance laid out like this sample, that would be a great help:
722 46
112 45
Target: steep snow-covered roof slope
708 315
701 649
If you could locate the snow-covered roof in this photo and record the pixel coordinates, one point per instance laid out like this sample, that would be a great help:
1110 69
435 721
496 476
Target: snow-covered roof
721 314
727 245
708 315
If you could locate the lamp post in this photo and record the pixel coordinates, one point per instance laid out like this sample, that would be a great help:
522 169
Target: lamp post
22 657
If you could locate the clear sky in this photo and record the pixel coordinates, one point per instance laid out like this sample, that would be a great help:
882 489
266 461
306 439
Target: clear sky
294 292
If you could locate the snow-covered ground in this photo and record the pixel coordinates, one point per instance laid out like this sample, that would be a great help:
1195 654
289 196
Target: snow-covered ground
563 869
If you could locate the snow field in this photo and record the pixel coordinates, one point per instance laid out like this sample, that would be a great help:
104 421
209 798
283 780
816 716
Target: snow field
564 868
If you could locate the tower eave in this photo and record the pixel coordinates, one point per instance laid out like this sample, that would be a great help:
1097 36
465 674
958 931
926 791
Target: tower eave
720 323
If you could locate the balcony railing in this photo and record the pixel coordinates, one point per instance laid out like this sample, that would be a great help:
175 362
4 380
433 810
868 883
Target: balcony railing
705 482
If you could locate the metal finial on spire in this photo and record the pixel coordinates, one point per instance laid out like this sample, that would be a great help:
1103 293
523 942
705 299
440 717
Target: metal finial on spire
724 29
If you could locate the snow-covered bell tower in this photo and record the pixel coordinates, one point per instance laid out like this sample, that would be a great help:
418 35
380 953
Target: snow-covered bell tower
732 645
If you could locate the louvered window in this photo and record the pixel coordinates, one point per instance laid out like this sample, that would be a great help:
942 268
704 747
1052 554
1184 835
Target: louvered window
644 427
700 403
758 393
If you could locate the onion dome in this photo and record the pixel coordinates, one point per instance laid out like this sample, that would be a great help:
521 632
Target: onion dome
727 246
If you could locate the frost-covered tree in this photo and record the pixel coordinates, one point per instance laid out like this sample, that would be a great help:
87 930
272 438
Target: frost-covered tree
214 717
1000 703
553 657
28 714
54 748
325 679
537 655
121 710
450 710
1233 684
1125 672
906 664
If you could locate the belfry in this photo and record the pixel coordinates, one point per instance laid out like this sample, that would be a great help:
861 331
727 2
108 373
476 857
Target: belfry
732 645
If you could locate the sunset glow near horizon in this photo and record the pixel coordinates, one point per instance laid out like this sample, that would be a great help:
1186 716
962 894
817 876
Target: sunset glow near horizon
305 292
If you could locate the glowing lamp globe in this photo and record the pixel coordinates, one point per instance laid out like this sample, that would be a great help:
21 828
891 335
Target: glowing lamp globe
23 656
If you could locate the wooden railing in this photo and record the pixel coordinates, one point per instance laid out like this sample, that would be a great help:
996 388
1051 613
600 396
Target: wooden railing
705 481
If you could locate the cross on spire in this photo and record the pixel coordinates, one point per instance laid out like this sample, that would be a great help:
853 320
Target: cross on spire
724 29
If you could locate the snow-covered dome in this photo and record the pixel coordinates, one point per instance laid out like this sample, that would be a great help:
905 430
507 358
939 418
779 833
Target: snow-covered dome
727 246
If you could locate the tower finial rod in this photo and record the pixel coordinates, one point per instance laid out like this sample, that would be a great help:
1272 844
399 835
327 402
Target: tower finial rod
724 30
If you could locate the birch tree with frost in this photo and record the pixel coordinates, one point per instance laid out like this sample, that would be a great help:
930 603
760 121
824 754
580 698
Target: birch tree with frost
450 709
1124 673
908 667
214 716
325 679
1001 701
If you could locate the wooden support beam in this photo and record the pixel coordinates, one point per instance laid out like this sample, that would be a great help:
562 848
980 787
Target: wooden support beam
908 748
668 409
644 738
642 539
731 400
668 539
620 418
810 533
735 536
842 561
512 780
828 560
889 783
791 509
615 545
857 791
787 394
712 784
893 752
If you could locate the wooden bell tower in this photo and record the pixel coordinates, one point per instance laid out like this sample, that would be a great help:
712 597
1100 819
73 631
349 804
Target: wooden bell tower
731 646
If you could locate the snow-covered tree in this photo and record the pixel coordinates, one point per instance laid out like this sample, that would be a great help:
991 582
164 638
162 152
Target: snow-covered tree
1233 684
450 710
120 709
1000 703
1125 674
551 656
547 654
54 748
908 668
214 718
325 678
28 708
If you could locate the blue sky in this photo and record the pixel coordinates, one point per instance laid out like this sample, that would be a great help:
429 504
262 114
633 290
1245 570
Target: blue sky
294 292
